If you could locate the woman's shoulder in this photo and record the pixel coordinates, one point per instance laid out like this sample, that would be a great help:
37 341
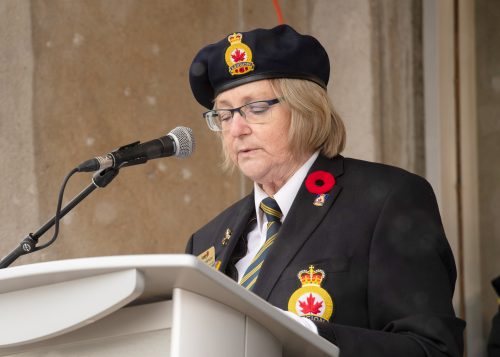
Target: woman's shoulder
379 172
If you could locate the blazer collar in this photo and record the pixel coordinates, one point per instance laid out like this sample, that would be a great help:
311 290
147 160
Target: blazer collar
301 221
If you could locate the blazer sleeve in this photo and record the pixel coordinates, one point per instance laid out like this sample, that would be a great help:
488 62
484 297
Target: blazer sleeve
411 279
189 246
494 338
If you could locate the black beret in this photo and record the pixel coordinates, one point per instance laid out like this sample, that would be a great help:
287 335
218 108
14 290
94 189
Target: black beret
243 57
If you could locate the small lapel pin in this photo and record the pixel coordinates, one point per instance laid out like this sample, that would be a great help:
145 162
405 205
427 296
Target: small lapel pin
227 236
320 200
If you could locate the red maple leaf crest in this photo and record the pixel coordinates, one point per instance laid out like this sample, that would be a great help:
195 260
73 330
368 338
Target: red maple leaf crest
310 307
238 55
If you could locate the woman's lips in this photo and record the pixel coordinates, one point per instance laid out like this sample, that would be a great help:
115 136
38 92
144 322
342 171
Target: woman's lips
247 151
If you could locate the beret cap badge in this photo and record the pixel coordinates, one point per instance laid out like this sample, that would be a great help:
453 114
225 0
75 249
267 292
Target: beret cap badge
238 56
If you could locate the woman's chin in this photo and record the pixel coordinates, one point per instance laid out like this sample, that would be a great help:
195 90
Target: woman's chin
252 170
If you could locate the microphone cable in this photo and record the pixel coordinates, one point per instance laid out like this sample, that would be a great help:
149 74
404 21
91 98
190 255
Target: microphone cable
57 216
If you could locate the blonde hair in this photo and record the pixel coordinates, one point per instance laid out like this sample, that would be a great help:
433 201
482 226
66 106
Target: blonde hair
314 123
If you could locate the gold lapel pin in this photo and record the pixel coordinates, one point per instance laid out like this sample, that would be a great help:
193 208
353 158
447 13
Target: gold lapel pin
321 199
227 236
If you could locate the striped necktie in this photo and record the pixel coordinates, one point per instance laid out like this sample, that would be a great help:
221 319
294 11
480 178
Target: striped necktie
273 213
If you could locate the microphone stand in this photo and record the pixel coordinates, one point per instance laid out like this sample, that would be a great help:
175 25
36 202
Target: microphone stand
28 245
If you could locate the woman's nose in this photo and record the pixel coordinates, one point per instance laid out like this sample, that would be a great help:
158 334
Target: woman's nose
239 125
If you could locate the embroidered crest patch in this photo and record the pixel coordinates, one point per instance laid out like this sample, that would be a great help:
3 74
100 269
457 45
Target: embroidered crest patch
238 56
311 300
208 256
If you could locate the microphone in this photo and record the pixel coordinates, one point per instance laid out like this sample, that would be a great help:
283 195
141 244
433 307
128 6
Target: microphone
179 142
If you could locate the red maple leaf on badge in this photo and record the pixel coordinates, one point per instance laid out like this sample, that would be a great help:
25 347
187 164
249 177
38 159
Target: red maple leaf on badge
238 56
310 306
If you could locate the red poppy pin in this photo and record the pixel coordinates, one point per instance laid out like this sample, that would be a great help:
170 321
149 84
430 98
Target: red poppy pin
320 182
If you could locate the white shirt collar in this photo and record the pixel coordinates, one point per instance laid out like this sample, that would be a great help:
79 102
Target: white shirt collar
286 194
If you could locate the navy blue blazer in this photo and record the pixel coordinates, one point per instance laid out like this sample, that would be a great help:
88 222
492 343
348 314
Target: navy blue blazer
379 240
494 338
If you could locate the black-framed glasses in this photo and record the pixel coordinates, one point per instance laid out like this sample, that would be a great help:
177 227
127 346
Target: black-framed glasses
253 113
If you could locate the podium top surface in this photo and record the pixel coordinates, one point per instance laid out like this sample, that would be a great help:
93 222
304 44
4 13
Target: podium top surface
163 273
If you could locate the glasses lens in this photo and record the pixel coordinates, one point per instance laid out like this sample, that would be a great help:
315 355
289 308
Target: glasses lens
224 115
254 113
224 118
212 120
257 112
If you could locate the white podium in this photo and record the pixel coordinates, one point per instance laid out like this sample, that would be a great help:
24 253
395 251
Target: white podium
144 305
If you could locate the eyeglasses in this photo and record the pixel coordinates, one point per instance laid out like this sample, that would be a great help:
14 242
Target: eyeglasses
253 113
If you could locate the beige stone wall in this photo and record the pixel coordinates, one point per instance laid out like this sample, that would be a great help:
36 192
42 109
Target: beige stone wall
344 27
108 73
19 184
488 102
376 82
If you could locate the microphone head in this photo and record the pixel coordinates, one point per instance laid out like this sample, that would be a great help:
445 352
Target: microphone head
184 141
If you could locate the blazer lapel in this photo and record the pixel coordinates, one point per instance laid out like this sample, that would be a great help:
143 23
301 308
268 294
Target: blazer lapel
299 224
236 226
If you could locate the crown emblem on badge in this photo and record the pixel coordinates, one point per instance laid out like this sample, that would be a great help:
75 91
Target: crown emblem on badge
311 300
311 276
238 56
234 38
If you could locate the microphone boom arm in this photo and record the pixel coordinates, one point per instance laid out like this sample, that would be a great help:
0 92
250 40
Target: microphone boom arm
28 245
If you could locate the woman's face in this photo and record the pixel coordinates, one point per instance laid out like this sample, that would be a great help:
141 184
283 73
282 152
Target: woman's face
260 151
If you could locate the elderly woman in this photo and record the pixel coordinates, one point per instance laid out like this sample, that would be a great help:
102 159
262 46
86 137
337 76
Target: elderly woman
353 250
